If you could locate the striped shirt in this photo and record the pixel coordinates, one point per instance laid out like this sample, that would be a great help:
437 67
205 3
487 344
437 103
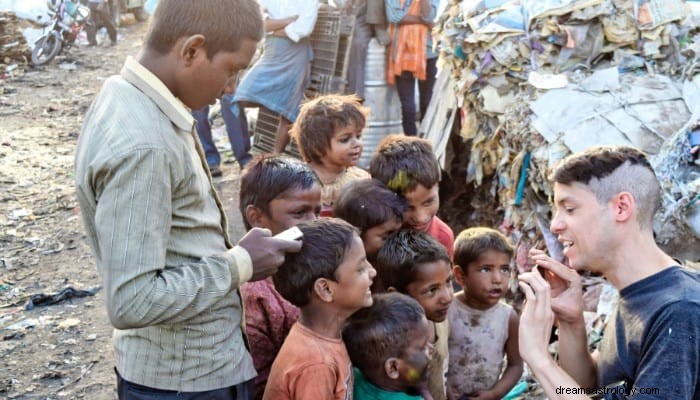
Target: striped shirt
158 232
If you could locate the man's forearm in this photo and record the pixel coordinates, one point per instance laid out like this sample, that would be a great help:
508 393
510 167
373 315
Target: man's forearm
553 379
171 295
574 356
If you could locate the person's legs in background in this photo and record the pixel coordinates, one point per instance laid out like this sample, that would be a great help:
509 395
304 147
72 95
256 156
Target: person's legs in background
425 87
100 16
406 88
237 129
362 34
282 137
201 117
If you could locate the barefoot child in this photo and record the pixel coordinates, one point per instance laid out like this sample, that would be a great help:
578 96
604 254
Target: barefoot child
408 166
372 208
328 132
329 279
389 345
276 193
482 328
416 264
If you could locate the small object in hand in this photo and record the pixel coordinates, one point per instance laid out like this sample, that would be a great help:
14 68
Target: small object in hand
292 233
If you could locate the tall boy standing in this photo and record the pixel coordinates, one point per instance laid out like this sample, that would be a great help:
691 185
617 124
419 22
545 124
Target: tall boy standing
605 201
153 219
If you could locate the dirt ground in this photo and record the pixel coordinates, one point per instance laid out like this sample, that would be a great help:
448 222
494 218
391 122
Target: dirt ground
58 351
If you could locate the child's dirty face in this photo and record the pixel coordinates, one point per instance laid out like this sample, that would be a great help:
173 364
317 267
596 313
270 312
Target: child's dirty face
291 208
413 364
485 280
422 206
346 147
351 288
375 236
432 287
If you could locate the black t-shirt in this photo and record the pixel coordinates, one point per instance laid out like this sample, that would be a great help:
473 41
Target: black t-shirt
653 340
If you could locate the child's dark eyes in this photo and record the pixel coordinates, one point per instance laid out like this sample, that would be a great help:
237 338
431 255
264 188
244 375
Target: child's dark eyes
505 270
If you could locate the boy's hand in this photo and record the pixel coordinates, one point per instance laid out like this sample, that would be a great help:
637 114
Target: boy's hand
566 288
266 252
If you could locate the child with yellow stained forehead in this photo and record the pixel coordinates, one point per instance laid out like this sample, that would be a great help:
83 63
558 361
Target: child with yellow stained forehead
389 345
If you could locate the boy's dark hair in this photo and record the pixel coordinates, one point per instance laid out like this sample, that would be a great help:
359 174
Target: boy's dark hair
323 249
319 119
609 170
473 242
402 162
402 254
374 334
266 178
223 23
367 203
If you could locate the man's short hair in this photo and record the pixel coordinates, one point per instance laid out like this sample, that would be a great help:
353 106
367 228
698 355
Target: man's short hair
402 254
473 242
609 170
374 334
223 23
324 245
402 162
319 119
367 203
267 178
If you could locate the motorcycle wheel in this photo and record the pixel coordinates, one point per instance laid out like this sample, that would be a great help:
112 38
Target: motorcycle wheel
140 14
46 48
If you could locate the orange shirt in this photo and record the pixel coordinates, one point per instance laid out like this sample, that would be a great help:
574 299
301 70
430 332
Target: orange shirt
408 46
310 366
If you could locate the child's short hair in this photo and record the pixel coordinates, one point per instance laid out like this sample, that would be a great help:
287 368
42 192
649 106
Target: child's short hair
324 245
319 119
266 178
223 23
402 253
374 334
402 162
368 203
473 242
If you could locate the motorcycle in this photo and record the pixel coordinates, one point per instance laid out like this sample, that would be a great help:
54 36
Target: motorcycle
68 19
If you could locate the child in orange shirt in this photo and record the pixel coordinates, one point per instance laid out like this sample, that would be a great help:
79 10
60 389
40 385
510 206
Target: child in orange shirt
328 133
329 279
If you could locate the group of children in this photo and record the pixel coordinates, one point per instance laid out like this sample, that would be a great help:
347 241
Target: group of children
366 306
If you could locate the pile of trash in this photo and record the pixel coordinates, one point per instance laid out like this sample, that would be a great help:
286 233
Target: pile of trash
534 80
13 46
